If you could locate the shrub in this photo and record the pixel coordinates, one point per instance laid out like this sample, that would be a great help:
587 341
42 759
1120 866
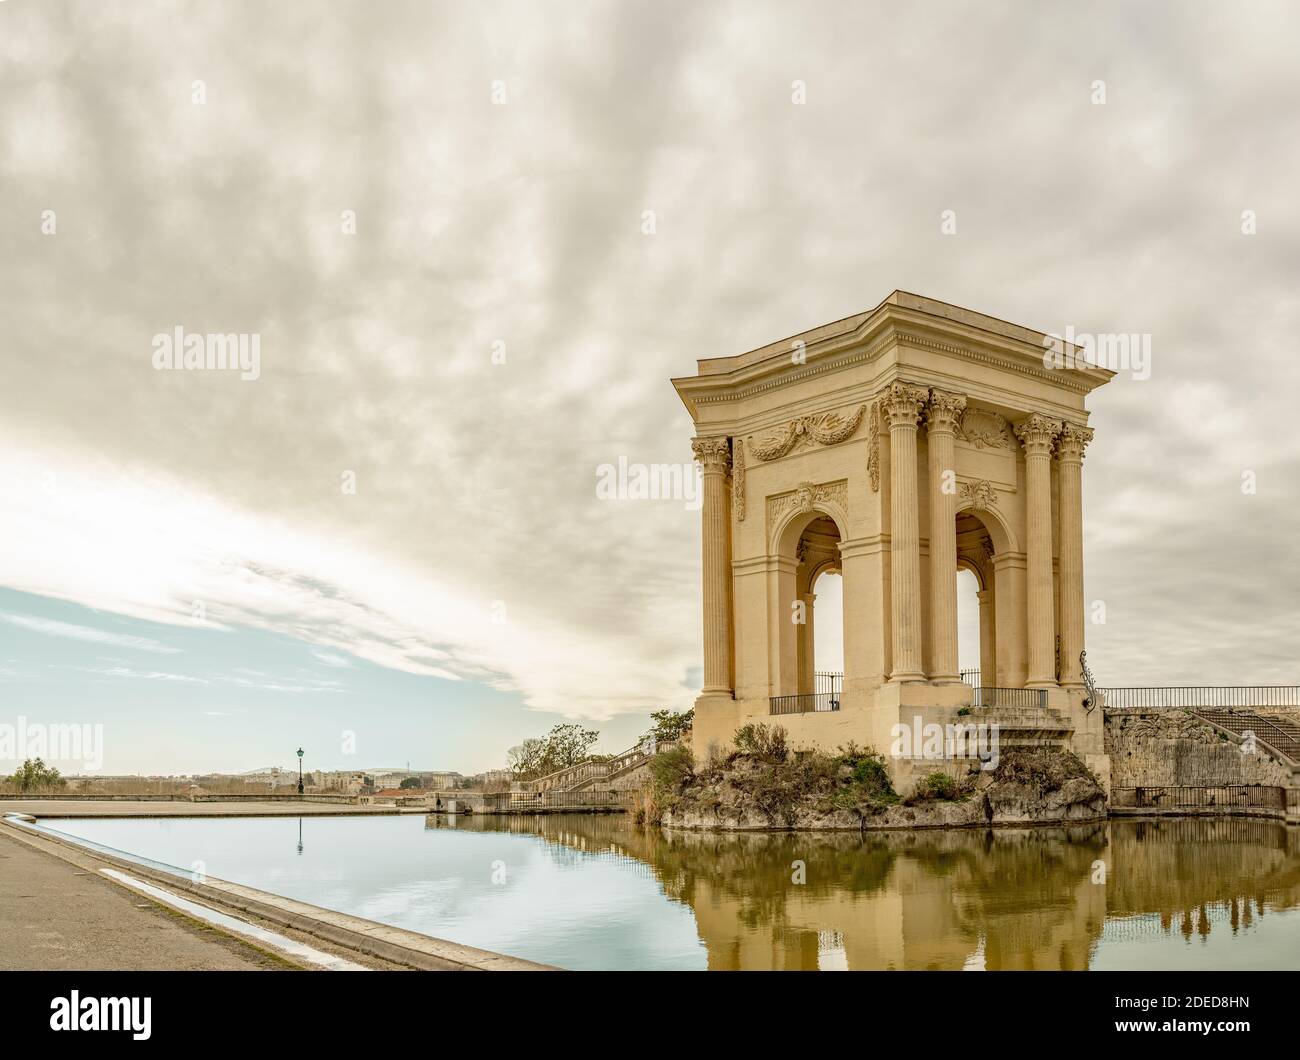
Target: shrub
672 769
35 775
1043 769
937 787
758 741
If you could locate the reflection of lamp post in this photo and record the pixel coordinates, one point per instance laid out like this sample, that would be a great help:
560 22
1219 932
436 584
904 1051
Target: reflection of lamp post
299 835
299 770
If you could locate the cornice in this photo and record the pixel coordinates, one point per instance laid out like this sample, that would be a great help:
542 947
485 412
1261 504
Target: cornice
728 387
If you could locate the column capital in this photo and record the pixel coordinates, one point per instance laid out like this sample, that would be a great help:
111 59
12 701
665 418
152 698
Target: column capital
902 404
1072 441
1037 433
944 410
713 453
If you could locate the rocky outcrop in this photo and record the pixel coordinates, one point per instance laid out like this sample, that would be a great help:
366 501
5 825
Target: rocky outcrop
1028 787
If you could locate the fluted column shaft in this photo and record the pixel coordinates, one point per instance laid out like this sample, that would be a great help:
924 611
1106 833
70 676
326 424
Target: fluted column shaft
808 676
902 405
942 414
1037 434
714 455
1069 454
988 643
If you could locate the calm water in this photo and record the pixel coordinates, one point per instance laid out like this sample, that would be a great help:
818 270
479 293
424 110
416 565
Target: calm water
596 893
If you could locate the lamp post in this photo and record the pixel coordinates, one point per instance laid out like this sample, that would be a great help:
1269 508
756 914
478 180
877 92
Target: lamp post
299 770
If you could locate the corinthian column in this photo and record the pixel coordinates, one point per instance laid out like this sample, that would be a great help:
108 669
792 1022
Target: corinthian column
902 407
1037 434
1069 455
714 455
941 418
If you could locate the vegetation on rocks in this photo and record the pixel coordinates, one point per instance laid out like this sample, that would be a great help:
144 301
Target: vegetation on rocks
764 784
762 777
940 787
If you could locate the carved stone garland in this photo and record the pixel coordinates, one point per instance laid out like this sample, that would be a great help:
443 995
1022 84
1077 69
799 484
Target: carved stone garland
738 481
873 449
822 428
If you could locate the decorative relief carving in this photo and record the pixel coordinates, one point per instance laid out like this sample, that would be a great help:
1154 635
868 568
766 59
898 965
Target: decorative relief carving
985 430
873 448
1072 441
902 404
807 497
822 428
944 409
981 494
714 454
738 481
1037 433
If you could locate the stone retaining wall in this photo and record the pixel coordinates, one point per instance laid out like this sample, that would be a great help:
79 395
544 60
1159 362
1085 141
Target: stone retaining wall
1168 747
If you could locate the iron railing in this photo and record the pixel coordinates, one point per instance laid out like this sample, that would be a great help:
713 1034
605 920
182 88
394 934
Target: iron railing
971 677
1190 697
1278 733
828 682
1257 796
815 703
1010 697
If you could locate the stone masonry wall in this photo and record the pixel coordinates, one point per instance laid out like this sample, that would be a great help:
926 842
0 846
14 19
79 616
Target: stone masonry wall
1154 748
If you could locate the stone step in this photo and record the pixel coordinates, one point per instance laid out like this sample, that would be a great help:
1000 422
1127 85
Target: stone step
1021 717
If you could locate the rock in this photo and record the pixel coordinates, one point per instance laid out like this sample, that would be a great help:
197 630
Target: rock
1029 787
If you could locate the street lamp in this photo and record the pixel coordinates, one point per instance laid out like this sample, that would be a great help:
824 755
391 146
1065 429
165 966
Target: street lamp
299 770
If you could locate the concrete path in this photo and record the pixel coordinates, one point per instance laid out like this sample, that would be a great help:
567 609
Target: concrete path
56 916
48 808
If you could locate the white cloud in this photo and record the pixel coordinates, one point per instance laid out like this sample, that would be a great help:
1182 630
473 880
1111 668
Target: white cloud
143 675
51 627
329 659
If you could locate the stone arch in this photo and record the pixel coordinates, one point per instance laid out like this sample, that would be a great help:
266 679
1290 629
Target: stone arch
809 516
795 519
982 579
997 524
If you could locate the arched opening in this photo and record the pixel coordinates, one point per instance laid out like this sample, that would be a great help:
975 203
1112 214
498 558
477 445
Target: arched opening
811 675
977 542
968 625
828 626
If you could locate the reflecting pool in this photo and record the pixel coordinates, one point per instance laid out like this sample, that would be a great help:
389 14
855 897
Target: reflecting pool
595 892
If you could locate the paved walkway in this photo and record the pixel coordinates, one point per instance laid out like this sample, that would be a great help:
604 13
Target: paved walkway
146 808
58 916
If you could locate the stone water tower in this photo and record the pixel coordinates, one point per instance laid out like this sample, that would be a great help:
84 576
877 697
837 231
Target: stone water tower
895 447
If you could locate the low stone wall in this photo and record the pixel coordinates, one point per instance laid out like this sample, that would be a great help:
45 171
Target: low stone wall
1174 748
91 797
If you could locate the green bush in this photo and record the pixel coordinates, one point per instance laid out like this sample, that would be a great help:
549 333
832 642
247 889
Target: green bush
672 769
758 741
936 787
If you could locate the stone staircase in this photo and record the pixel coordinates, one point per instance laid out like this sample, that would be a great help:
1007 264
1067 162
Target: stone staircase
1279 734
619 771
1024 727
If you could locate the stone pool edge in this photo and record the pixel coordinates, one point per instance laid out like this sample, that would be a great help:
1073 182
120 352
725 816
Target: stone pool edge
363 937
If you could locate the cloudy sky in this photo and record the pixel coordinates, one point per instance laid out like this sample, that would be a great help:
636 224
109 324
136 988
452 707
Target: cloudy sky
433 217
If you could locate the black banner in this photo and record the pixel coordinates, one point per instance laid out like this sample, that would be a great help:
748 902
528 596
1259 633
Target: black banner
240 1009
